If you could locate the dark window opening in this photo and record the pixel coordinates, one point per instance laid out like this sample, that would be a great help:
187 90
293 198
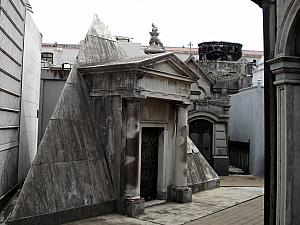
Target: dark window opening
47 56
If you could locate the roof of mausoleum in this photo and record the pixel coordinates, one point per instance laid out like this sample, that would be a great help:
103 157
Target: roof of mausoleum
143 62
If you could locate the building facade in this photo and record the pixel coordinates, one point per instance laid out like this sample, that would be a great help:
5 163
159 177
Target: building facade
221 73
117 137
246 124
282 92
20 45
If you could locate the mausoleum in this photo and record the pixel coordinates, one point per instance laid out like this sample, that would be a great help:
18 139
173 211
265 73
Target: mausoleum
117 138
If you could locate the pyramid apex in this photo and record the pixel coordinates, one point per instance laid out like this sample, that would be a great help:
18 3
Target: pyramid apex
99 45
99 29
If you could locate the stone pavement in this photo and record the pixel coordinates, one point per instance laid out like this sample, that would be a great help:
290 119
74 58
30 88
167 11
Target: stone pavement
247 213
238 202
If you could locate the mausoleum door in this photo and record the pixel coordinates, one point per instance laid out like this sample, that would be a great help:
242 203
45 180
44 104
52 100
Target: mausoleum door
149 163
201 133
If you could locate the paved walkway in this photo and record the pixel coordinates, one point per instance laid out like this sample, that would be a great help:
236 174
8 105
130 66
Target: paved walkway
239 201
231 204
247 213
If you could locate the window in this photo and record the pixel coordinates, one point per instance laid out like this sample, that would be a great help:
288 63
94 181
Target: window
47 56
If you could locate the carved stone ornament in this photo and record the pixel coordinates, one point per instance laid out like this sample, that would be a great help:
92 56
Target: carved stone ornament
155 45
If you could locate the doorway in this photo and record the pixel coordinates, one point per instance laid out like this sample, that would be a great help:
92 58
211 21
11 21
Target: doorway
201 133
149 163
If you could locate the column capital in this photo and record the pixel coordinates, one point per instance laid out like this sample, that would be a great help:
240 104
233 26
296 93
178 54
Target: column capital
286 69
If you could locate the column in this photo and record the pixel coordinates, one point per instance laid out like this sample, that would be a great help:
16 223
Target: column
181 147
287 82
132 157
131 204
180 192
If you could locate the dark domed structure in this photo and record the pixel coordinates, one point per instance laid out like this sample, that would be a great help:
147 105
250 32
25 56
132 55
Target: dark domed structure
222 51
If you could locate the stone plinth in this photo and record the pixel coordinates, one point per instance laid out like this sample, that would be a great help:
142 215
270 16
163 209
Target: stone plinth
131 207
179 194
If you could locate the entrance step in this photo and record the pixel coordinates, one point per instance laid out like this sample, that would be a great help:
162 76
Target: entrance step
154 203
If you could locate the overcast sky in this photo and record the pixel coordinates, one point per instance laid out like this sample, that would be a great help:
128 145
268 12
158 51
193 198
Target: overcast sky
179 22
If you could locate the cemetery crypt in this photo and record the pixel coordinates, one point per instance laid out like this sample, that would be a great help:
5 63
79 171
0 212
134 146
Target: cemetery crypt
117 137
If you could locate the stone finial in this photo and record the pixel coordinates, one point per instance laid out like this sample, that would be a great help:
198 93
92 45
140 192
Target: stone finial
155 45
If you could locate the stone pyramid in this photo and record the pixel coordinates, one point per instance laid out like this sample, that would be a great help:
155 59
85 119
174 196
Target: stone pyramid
201 176
99 45
69 178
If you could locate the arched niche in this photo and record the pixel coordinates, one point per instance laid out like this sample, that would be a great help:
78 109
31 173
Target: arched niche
288 42
297 37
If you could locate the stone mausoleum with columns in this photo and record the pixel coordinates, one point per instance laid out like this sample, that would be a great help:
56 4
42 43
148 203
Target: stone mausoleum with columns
144 100
117 138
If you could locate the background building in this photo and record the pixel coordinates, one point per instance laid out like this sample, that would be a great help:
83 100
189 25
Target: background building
246 124
221 72
258 73
57 60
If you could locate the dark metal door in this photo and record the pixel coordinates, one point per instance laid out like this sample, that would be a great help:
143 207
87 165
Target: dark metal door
201 133
149 163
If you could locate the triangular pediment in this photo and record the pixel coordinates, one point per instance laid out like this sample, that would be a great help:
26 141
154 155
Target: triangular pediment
191 62
172 66
168 67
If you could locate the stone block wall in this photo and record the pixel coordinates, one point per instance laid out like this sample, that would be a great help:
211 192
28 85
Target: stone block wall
20 44
12 17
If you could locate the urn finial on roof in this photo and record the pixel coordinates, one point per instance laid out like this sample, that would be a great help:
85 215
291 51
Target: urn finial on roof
155 45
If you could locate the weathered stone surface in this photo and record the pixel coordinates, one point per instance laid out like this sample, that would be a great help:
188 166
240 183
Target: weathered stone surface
69 171
130 207
155 45
8 169
108 115
201 175
179 195
99 45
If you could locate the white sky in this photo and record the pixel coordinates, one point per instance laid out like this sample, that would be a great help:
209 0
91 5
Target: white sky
179 22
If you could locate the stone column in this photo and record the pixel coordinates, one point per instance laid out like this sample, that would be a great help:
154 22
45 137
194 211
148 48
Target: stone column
287 74
180 192
181 148
131 204
132 149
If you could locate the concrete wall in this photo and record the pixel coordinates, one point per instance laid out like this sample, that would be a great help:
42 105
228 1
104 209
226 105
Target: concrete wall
51 86
247 122
132 49
20 44
12 17
30 97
